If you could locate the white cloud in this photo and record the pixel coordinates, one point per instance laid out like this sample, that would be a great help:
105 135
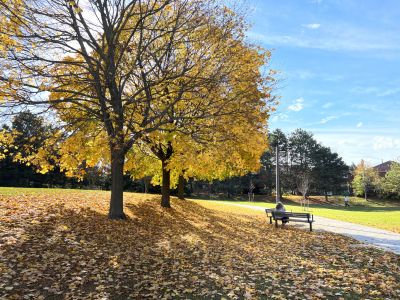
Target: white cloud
385 142
307 74
312 26
327 105
336 37
302 74
298 105
327 119
279 117
388 92
372 90
376 131
359 124
364 90
332 77
368 107
354 146
385 110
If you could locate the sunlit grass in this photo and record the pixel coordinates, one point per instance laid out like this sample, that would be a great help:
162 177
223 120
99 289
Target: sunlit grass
384 215
10 191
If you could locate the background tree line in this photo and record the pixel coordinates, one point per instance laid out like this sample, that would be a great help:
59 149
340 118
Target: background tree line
303 164
305 167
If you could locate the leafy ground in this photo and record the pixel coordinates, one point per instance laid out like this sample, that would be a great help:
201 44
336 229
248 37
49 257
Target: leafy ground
384 215
57 244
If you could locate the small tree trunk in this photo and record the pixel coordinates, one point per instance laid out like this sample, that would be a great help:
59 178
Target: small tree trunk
165 191
146 181
192 187
117 185
281 194
181 187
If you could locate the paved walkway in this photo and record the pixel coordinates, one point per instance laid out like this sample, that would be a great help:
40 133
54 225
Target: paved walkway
380 238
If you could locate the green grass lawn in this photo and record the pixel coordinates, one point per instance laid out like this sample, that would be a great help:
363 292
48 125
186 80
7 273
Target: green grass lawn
384 215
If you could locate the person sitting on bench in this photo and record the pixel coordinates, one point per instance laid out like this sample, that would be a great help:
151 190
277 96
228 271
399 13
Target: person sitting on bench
279 207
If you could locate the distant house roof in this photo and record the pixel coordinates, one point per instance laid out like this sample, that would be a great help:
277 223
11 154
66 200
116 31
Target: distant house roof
383 168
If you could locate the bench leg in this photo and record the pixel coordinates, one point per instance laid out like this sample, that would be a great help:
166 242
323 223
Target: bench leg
276 223
270 220
310 226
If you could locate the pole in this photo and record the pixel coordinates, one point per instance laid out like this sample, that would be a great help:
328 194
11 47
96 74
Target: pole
277 174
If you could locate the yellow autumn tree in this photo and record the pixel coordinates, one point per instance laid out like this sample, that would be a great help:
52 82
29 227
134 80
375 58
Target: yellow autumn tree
114 72
228 142
366 179
235 155
10 22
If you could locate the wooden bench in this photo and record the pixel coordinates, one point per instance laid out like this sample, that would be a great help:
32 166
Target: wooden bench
268 211
292 217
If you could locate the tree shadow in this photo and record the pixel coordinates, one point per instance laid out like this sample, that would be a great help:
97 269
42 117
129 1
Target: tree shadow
71 251
188 217
67 252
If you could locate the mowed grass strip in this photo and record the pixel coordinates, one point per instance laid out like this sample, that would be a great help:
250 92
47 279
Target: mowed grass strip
56 245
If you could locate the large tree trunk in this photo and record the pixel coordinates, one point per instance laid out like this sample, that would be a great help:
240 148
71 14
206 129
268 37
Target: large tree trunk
165 191
181 187
117 186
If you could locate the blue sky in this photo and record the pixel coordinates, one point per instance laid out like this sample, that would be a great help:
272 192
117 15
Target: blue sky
339 63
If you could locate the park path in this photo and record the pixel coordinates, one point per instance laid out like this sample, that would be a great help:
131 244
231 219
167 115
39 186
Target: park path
380 238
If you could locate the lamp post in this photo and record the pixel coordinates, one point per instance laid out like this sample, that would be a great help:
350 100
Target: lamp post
277 196
277 193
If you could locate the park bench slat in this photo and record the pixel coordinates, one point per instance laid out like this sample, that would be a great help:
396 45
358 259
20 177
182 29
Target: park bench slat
300 220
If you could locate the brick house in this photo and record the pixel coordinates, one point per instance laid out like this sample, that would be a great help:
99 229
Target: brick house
383 168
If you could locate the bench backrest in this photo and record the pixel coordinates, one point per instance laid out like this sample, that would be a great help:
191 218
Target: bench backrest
280 214
269 211
298 215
